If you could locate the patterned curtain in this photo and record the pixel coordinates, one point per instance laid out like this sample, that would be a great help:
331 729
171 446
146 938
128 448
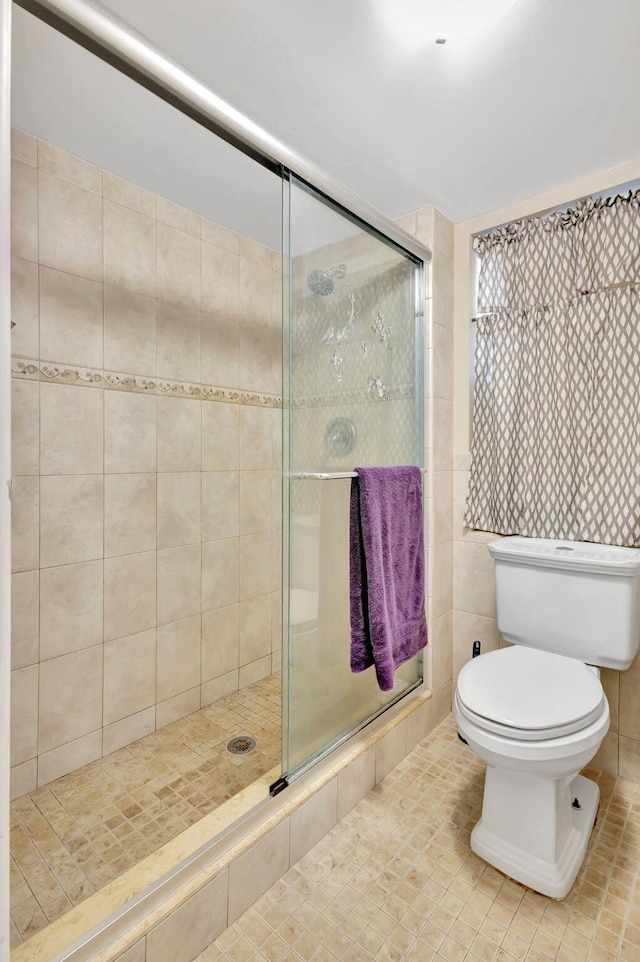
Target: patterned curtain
556 421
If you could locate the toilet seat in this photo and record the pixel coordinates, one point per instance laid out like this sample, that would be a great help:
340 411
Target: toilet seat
530 695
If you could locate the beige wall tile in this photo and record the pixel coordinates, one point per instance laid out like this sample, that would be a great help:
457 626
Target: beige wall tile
255 438
191 927
610 679
255 565
441 654
129 594
70 698
474 587
24 714
129 677
71 519
442 434
254 671
220 351
629 758
219 236
256 360
179 343
390 750
128 730
217 688
606 759
419 724
24 778
179 583
441 704
442 506
255 292
128 194
254 251
220 641
253 872
220 437
442 343
179 434
355 781
25 624
441 580
220 573
68 167
24 211
629 702
24 147
179 509
220 505
177 707
69 757
71 608
442 288
70 227
178 217
312 820
179 280
25 427
25 309
179 646
129 249
220 281
255 629
129 513
129 332
255 502
71 430
25 506
468 628
129 433
407 222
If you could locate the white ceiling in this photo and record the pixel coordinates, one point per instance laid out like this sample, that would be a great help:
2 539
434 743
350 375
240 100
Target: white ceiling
540 96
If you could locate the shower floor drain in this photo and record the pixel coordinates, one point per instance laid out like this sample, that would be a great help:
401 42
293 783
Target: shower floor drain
241 744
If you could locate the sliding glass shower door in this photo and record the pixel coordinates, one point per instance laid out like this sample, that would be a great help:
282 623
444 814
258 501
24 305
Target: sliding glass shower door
353 396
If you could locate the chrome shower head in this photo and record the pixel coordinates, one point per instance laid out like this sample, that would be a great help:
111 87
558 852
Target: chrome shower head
321 282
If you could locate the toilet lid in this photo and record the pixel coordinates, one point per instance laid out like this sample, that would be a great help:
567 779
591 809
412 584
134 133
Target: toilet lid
533 694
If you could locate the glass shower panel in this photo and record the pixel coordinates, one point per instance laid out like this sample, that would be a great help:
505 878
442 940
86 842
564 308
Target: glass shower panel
355 399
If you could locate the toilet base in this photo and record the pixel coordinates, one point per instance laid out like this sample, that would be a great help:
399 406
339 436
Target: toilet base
521 861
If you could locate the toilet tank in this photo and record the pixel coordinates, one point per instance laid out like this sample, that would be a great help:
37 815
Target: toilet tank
574 598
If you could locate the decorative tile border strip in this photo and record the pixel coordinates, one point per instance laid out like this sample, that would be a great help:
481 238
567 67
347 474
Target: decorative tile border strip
50 371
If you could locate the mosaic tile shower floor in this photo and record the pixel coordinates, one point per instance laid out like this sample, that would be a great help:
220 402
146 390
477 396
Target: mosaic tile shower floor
395 881
75 834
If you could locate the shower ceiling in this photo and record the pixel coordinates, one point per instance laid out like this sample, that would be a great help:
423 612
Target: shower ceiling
542 96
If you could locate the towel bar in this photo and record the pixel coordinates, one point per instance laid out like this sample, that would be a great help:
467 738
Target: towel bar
326 475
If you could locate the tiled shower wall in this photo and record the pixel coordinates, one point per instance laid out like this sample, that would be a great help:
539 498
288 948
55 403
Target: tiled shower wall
146 451
433 229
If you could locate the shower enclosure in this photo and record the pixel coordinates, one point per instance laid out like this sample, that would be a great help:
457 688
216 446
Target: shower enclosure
353 396
198 367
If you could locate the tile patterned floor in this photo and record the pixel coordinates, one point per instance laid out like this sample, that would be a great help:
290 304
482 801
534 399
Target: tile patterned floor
395 881
73 835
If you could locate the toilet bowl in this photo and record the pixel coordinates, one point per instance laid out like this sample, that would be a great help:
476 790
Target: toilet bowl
535 719
535 712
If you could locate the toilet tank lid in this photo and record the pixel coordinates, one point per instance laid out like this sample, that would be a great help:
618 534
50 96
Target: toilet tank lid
585 556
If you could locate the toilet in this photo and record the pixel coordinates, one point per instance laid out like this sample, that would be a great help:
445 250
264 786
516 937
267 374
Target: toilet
536 712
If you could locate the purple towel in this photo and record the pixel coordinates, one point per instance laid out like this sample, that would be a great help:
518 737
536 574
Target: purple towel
386 542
